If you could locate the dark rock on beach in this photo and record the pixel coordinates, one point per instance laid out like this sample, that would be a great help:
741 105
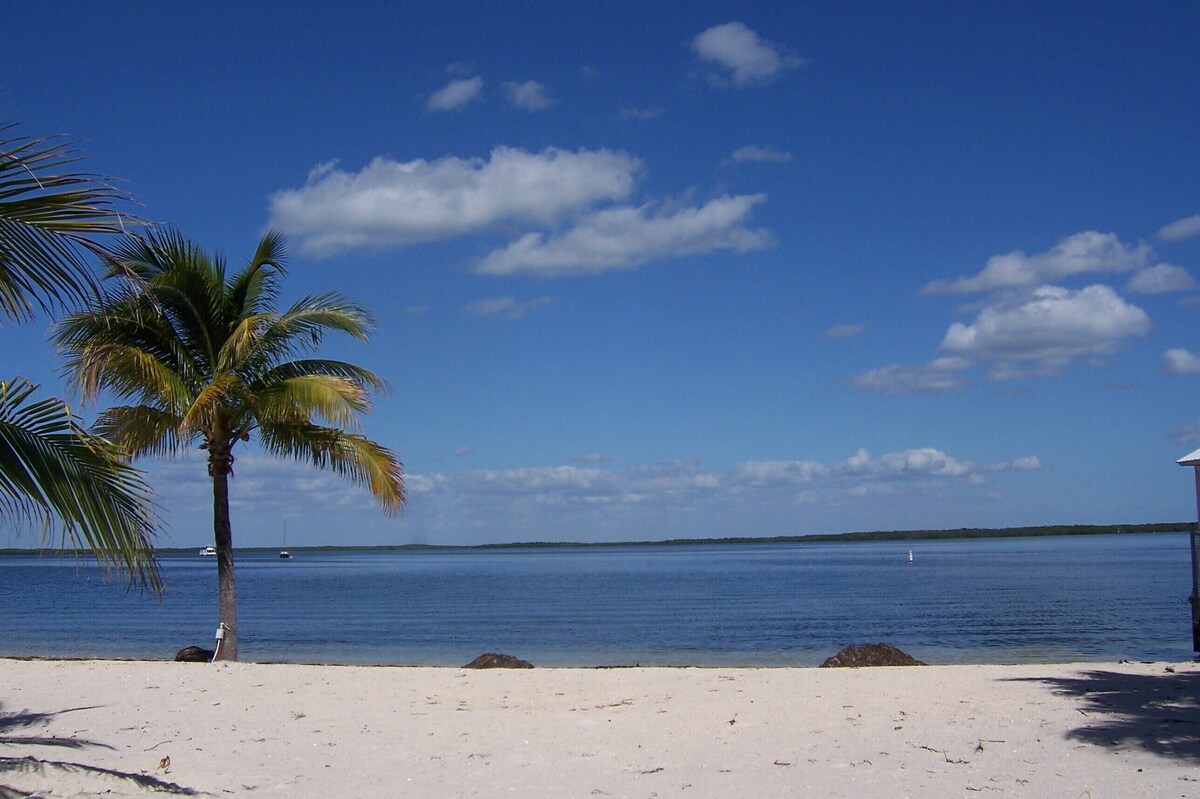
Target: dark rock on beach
870 655
194 654
491 660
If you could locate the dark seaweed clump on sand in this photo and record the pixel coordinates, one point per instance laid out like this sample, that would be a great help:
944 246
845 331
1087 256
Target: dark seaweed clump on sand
858 655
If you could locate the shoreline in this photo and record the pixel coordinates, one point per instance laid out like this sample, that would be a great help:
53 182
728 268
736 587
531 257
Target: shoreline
1084 729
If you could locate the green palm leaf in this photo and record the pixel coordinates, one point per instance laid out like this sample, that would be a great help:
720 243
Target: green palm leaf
54 469
52 472
49 217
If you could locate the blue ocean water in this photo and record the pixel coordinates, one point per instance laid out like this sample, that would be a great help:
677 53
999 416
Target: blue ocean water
959 601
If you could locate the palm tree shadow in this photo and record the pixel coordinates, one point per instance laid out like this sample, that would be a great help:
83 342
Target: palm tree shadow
1159 713
26 719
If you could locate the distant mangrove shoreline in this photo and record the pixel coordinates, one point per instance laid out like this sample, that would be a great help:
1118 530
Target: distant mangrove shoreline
815 538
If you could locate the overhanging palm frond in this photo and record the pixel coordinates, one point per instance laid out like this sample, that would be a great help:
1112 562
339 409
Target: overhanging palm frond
48 218
51 468
140 430
350 455
337 400
323 366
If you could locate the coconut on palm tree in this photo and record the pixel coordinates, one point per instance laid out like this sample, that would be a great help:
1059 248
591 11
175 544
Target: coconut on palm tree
53 472
205 356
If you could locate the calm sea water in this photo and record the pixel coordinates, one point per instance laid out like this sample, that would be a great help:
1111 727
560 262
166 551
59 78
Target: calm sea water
959 601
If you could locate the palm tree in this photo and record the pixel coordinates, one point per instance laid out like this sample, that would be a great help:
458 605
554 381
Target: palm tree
52 471
208 358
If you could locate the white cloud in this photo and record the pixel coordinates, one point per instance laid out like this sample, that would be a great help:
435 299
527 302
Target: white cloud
1160 279
1179 361
1049 329
1188 433
1081 253
529 95
455 94
625 237
641 113
391 203
938 376
756 154
747 58
581 502
506 308
668 499
1029 463
1180 229
845 331
763 473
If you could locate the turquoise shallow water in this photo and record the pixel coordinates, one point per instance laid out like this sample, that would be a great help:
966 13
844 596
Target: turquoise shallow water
959 601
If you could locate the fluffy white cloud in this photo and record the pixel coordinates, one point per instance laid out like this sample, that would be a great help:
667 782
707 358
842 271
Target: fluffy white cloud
625 238
1052 327
1179 361
1081 253
747 58
940 375
455 94
506 308
756 154
1160 279
391 203
529 95
1180 229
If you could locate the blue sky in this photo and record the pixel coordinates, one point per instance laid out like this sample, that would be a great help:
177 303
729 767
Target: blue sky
722 269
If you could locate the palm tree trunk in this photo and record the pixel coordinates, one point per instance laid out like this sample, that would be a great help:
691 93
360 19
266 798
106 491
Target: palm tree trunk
226 585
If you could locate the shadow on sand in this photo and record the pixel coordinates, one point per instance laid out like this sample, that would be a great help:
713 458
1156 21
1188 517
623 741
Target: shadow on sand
1159 713
11 724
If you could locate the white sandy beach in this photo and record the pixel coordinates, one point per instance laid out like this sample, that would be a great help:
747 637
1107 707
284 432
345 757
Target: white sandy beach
1090 730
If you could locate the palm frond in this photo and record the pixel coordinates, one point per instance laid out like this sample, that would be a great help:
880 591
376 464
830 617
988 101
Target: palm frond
49 218
140 430
51 469
337 400
350 455
218 407
255 288
321 366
